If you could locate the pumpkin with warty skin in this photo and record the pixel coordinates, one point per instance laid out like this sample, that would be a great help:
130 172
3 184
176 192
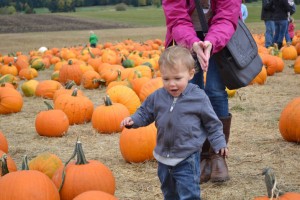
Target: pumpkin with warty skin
79 109
3 143
11 101
137 145
52 122
83 175
46 163
289 121
107 118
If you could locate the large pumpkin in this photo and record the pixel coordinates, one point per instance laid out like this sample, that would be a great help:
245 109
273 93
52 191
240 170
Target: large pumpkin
107 118
137 145
27 184
70 71
51 123
289 121
11 101
83 175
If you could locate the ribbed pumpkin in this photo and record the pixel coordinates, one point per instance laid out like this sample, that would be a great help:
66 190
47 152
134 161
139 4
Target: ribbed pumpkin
83 175
91 80
289 121
126 96
3 143
95 195
47 88
270 63
149 87
11 101
46 163
70 71
79 109
107 118
51 123
137 145
27 184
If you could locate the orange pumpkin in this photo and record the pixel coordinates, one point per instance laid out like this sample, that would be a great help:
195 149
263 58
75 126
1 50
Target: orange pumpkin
149 87
289 121
3 143
79 109
47 88
137 145
261 77
297 65
107 118
95 195
11 165
11 101
51 123
285 196
70 71
83 175
289 52
20 184
126 96
91 80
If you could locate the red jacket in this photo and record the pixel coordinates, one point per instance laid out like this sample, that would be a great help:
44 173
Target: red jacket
221 26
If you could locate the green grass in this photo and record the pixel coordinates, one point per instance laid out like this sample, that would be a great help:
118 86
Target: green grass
147 16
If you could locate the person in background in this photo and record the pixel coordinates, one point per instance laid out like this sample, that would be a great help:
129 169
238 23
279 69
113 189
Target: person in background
184 27
93 39
267 12
184 118
244 11
280 17
291 28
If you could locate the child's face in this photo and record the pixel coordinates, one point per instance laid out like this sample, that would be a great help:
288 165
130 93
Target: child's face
176 79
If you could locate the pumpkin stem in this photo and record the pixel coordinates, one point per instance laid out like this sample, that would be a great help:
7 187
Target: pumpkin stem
107 100
69 84
90 52
81 160
74 93
25 163
3 164
49 106
271 183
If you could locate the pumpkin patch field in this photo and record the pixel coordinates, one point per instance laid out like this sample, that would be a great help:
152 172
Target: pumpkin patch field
46 120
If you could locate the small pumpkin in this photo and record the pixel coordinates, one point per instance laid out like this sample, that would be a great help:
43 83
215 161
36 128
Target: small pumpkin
51 123
29 87
47 88
11 101
107 118
95 195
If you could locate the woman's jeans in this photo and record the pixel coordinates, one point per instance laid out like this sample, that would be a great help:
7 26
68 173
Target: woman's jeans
269 35
181 181
214 88
280 31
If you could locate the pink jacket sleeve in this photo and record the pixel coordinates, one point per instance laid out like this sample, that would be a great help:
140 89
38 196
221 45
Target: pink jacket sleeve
221 26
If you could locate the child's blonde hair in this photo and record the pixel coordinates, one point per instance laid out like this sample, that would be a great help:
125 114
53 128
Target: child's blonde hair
91 32
176 55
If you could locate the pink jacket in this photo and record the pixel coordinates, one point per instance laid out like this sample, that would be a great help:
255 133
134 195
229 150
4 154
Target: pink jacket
291 30
221 26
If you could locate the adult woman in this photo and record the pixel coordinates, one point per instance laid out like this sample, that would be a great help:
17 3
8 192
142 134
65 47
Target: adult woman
183 27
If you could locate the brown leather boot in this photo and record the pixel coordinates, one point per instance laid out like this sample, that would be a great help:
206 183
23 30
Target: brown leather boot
205 164
205 167
219 169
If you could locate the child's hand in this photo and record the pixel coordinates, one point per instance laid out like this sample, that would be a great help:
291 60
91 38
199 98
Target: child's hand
127 122
223 152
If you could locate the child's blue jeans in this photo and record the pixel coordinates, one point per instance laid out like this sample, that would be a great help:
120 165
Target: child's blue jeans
181 181
214 88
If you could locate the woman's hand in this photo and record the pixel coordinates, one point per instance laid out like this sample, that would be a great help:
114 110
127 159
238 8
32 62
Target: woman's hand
203 50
